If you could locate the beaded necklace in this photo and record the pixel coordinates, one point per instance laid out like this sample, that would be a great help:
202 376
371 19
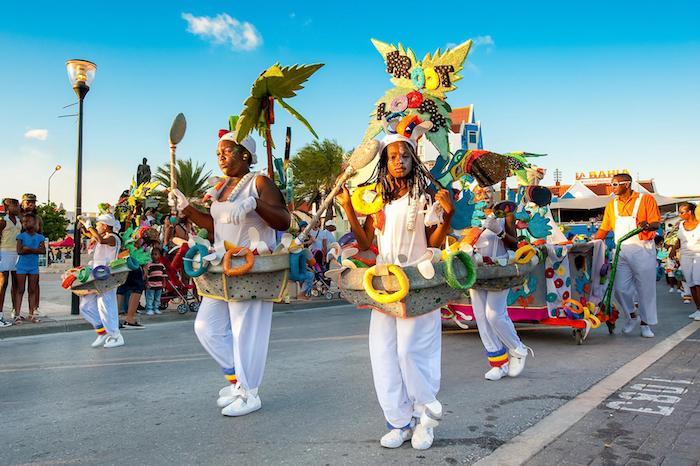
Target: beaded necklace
239 186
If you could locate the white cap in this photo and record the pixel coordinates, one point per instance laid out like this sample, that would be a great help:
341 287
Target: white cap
109 220
247 142
391 138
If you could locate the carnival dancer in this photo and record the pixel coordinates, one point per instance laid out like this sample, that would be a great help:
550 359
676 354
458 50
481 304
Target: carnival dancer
689 245
236 334
100 310
636 269
405 353
505 352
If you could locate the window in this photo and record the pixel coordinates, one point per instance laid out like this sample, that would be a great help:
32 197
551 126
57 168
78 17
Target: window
472 137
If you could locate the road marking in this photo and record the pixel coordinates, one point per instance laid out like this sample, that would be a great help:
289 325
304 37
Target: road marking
661 394
524 446
103 364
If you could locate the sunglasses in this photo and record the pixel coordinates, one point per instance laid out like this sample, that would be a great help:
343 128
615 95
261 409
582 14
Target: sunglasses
615 184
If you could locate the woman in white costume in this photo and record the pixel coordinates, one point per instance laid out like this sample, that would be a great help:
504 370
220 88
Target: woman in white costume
236 334
100 310
405 353
504 350
689 244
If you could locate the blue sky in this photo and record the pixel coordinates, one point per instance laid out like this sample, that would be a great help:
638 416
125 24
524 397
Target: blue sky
596 85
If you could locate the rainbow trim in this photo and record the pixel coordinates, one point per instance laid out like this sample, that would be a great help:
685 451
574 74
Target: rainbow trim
230 375
100 330
497 358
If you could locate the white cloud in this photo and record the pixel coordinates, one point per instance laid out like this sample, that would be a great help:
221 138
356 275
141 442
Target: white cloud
486 41
223 29
40 134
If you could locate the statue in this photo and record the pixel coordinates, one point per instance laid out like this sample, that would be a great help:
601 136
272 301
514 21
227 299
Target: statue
143 173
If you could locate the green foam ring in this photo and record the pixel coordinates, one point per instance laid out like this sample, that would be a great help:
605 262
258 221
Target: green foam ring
84 274
451 278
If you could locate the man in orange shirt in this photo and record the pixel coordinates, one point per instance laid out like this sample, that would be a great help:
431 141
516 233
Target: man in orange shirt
636 268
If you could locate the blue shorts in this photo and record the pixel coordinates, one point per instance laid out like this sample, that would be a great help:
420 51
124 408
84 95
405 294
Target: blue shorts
27 270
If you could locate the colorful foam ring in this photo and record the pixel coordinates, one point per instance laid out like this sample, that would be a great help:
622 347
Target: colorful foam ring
242 269
68 281
451 277
84 274
398 104
101 272
418 77
432 79
407 124
189 260
524 254
572 308
367 200
132 263
383 297
117 263
297 266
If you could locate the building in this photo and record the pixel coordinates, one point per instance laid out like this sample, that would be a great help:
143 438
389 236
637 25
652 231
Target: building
464 133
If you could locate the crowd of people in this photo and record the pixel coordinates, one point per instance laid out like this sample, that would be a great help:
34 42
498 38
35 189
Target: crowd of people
21 243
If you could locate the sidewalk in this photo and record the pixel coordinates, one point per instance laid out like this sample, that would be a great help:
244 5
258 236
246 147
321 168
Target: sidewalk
654 419
55 308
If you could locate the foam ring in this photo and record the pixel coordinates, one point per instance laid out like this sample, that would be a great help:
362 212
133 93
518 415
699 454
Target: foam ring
189 259
68 281
241 270
383 297
101 272
132 264
398 104
525 254
451 277
84 274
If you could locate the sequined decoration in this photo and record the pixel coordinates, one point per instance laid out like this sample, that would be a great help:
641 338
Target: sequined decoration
398 65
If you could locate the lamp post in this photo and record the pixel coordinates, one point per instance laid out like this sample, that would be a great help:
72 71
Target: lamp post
58 167
81 73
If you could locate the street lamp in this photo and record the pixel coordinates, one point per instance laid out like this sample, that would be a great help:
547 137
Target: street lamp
81 73
58 167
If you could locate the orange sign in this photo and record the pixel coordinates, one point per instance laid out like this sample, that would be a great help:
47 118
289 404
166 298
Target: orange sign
601 174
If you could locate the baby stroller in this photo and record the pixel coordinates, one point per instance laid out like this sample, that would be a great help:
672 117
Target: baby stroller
174 290
322 286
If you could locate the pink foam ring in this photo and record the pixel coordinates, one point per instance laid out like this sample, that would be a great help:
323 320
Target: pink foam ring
399 103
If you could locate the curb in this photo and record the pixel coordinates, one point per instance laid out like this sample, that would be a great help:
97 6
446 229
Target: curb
77 324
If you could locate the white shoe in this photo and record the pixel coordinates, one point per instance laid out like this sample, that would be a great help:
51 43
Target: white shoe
679 290
245 403
497 373
228 395
396 437
516 361
630 325
671 290
100 340
432 413
158 312
695 315
423 437
646 331
150 313
113 341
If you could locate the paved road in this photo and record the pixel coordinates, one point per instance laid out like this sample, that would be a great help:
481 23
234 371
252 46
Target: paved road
152 401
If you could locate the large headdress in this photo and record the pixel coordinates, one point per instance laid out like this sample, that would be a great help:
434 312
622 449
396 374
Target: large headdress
417 106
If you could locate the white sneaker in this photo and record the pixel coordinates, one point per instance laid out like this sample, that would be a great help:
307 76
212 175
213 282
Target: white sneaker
423 437
630 325
695 315
4 323
516 362
646 331
432 413
671 290
150 313
396 437
158 312
228 395
497 373
114 341
100 340
245 403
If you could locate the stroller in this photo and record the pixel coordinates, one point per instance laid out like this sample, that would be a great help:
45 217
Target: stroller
175 291
321 285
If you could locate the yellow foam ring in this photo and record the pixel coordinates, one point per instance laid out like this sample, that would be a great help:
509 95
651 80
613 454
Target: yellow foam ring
363 207
228 245
383 297
590 317
524 254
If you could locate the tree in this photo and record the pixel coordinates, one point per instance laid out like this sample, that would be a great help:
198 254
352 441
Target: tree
191 178
54 221
315 168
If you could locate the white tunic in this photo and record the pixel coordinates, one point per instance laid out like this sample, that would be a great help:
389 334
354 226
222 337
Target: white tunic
490 245
103 254
238 234
690 240
396 240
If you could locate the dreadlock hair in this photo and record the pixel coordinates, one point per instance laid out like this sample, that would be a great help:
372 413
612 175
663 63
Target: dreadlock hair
418 177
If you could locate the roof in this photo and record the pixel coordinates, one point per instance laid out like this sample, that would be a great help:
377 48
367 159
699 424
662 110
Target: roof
460 115
590 203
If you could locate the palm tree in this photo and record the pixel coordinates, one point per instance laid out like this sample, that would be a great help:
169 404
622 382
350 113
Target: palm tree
315 168
190 176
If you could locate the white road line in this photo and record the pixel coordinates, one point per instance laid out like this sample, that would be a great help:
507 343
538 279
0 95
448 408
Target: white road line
529 442
104 364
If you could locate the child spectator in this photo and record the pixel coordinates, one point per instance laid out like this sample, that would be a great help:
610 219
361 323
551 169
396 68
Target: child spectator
29 245
155 280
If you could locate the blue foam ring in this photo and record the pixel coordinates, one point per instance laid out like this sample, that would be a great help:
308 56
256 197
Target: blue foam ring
418 77
189 259
297 266
132 264
101 272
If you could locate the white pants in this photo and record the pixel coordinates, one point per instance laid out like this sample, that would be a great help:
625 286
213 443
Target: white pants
236 335
405 356
636 278
690 265
496 330
101 310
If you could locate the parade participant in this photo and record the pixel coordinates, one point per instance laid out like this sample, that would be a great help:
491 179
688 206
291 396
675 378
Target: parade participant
505 352
405 353
236 334
689 245
10 227
636 269
29 245
100 310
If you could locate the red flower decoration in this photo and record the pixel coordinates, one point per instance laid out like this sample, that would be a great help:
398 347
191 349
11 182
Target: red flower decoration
565 295
549 273
415 99
559 283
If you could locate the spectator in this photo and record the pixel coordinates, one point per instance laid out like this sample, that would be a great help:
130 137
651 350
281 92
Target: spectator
689 244
322 241
10 227
29 245
155 280
29 206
